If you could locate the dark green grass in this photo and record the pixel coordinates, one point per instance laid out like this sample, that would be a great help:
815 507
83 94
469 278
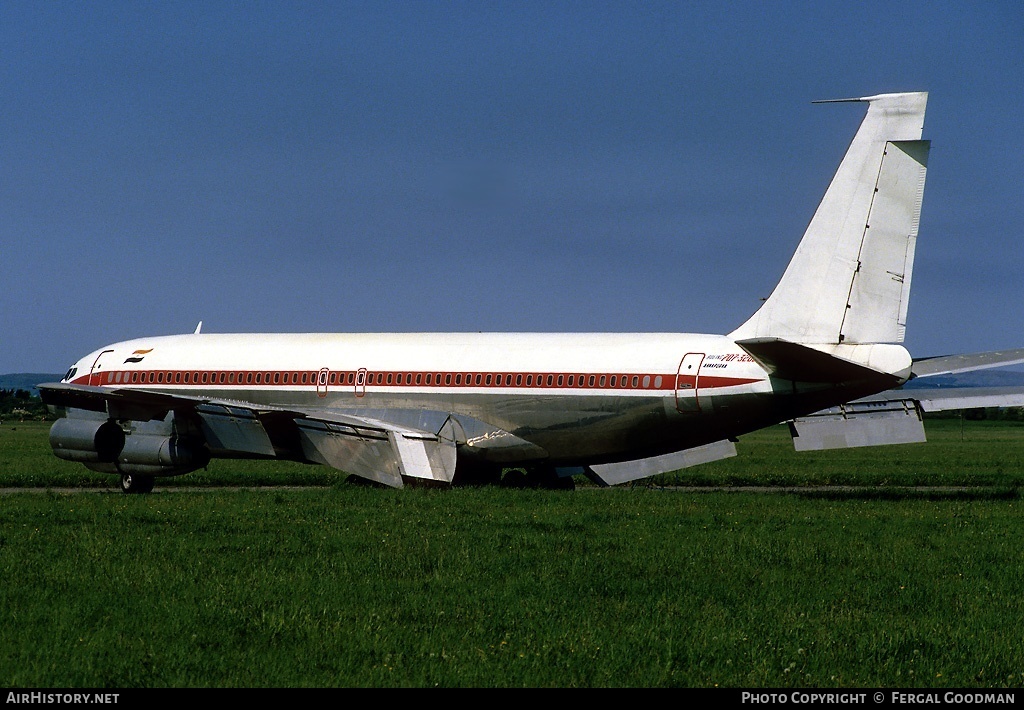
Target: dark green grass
490 587
642 587
972 453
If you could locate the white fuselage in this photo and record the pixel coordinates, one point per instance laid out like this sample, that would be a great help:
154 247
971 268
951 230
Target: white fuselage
579 398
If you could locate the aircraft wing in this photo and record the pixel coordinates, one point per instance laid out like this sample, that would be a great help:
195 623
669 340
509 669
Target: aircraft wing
368 447
952 364
940 399
892 417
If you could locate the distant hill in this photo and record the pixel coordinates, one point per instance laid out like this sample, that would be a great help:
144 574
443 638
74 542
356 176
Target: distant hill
26 381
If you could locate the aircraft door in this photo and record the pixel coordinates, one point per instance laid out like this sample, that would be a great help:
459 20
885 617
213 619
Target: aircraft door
360 382
95 373
687 379
321 382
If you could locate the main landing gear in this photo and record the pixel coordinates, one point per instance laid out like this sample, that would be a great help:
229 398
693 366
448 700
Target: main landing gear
537 476
136 484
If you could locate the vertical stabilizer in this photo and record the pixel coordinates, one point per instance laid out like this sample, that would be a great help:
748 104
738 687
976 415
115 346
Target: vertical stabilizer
849 280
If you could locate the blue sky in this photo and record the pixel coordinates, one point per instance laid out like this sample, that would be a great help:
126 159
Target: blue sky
548 166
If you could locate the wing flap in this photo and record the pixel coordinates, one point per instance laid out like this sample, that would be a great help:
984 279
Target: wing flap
859 424
239 429
612 474
891 417
367 454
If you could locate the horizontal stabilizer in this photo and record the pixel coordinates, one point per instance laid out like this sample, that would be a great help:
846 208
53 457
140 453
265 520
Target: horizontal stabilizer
952 364
612 474
859 424
803 363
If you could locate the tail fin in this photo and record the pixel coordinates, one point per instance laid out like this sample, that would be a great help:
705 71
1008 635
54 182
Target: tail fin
849 280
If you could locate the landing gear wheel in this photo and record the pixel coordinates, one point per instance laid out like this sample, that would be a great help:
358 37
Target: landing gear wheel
476 474
515 478
136 484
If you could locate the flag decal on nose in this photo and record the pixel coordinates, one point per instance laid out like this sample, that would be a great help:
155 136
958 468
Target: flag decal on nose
138 355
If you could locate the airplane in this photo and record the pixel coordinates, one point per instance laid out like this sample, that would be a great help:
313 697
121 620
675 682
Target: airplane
823 352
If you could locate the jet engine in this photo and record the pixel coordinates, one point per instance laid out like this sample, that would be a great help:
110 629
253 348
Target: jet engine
147 449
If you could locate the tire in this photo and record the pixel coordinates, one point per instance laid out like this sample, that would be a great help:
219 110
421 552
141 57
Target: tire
476 474
136 484
515 478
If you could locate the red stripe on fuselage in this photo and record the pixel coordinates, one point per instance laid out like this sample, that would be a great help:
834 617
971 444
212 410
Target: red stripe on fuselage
414 379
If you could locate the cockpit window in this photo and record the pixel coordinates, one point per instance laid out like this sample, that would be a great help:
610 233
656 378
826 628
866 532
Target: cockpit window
71 374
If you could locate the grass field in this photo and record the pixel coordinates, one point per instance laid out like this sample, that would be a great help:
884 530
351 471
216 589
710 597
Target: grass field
342 585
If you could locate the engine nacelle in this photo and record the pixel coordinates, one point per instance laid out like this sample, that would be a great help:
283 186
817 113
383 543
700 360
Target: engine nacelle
149 455
88 441
103 446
